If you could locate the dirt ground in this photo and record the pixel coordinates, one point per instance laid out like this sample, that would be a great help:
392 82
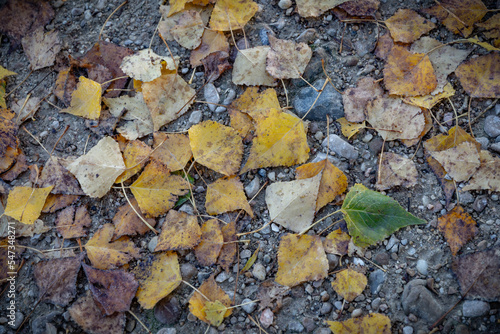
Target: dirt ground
305 307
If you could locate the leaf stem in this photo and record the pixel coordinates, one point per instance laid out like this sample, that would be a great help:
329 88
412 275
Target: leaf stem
318 221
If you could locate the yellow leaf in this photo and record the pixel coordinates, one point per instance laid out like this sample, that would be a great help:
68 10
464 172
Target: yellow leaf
281 141
458 227
86 99
135 156
487 176
216 146
480 76
157 277
485 45
156 190
254 103
251 260
373 323
214 293
241 122
455 137
287 59
406 26
215 312
396 170
3 84
333 182
309 8
145 65
300 259
210 246
25 204
211 41
226 194
108 255
188 29
408 74
250 67
179 231
349 284
337 242
460 162
430 101
350 129
98 169
232 15
5 72
174 151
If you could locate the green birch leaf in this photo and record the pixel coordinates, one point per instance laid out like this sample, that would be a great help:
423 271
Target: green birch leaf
371 216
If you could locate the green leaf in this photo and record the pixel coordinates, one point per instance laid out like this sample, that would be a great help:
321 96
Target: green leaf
250 261
371 216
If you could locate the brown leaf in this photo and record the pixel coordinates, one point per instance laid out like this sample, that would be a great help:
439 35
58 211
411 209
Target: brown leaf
209 248
215 64
460 162
287 59
57 202
269 291
447 184
180 231
54 174
19 167
8 131
406 26
70 222
384 46
128 223
65 85
360 7
487 176
396 170
228 252
480 76
41 48
458 227
211 41
356 99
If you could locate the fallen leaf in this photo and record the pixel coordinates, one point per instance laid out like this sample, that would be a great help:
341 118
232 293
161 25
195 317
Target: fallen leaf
460 162
113 290
479 270
250 67
20 166
56 175
228 251
215 64
179 231
360 7
281 141
333 182
384 46
269 291
396 170
486 177
158 276
216 146
188 29
287 59
429 101
232 15
86 100
406 26
241 122
251 260
349 284
371 216
137 118
41 48
146 66
98 169
480 77
492 27
226 194
128 223
25 108
56 279
215 312
3 85
104 254
373 323
356 99
174 152
458 228
9 159
337 242
65 85
455 137
300 259
135 156
57 202
87 314
5 72
408 74
71 222
394 119
168 97
485 45
212 292
24 230
308 8
179 5
293 204
254 103
8 131
207 251
156 190
211 41
458 16
349 129
25 203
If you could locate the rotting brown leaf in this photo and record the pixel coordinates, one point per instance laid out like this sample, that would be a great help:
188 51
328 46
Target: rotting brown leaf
128 223
228 251
356 99
71 222
207 251
396 170
458 228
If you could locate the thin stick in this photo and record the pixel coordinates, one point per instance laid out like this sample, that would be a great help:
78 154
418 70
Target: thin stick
60 137
137 213
119 78
169 51
52 104
376 265
318 221
22 107
330 79
22 246
379 172
327 135
102 29
257 324
192 287
468 116
286 92
257 230
316 100
249 302
36 139
211 217
12 91
334 223
139 320
86 143
484 111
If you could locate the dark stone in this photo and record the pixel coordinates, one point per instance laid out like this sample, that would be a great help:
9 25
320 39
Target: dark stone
480 204
168 310
382 258
417 299
329 102
375 145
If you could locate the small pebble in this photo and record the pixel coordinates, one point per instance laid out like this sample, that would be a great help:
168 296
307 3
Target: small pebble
211 96
253 187
77 11
422 267
152 244
222 277
195 117
259 271
266 318
325 308
248 307
475 308
407 330
285 4
357 313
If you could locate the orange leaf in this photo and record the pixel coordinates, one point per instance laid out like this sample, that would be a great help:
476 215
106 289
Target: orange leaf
373 323
128 223
70 222
337 242
179 231
210 290
406 26
209 248
349 284
455 137
458 227
211 41
226 194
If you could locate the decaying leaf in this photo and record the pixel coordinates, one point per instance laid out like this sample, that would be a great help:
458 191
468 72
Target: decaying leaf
8 131
356 99
216 146
98 169
145 65
293 204
300 259
25 203
207 251
232 15
174 150
180 231
156 190
287 59
269 291
458 228
430 100
41 48
211 41
86 99
57 202
308 8
128 223
250 67
104 254
71 222
56 175
396 170
371 216
337 242
349 284
492 27
56 279
480 76
456 136
460 161
24 230
487 177
228 252
226 194
446 182
215 64
158 276
113 290
373 323
188 28
281 141
198 302
406 26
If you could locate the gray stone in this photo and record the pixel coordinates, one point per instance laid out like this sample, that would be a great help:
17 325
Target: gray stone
356 313
77 11
220 109
231 94
195 117
253 187
338 305
329 102
483 141
376 304
480 204
222 277
168 310
495 147
187 208
422 267
392 241
326 308
38 325
247 306
340 147
211 95
295 326
307 36
407 330
166 330
87 15
285 4
376 279
246 253
366 41
466 198
417 299
188 271
475 308
152 244
333 261
259 271
100 4
492 126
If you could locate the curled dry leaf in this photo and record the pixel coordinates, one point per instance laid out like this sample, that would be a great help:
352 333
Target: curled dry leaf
207 251
250 67
174 150
25 203
180 231
308 8
128 223
460 161
396 170
349 284
198 302
41 48
145 65
480 76
226 194
287 59
487 177
356 99
301 258
458 227
211 41
71 222
86 100
406 26
232 15
369 324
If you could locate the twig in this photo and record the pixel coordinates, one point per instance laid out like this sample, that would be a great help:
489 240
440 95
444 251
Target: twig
318 221
102 29
139 320
12 91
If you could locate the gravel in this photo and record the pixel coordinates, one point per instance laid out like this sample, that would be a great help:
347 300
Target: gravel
329 102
